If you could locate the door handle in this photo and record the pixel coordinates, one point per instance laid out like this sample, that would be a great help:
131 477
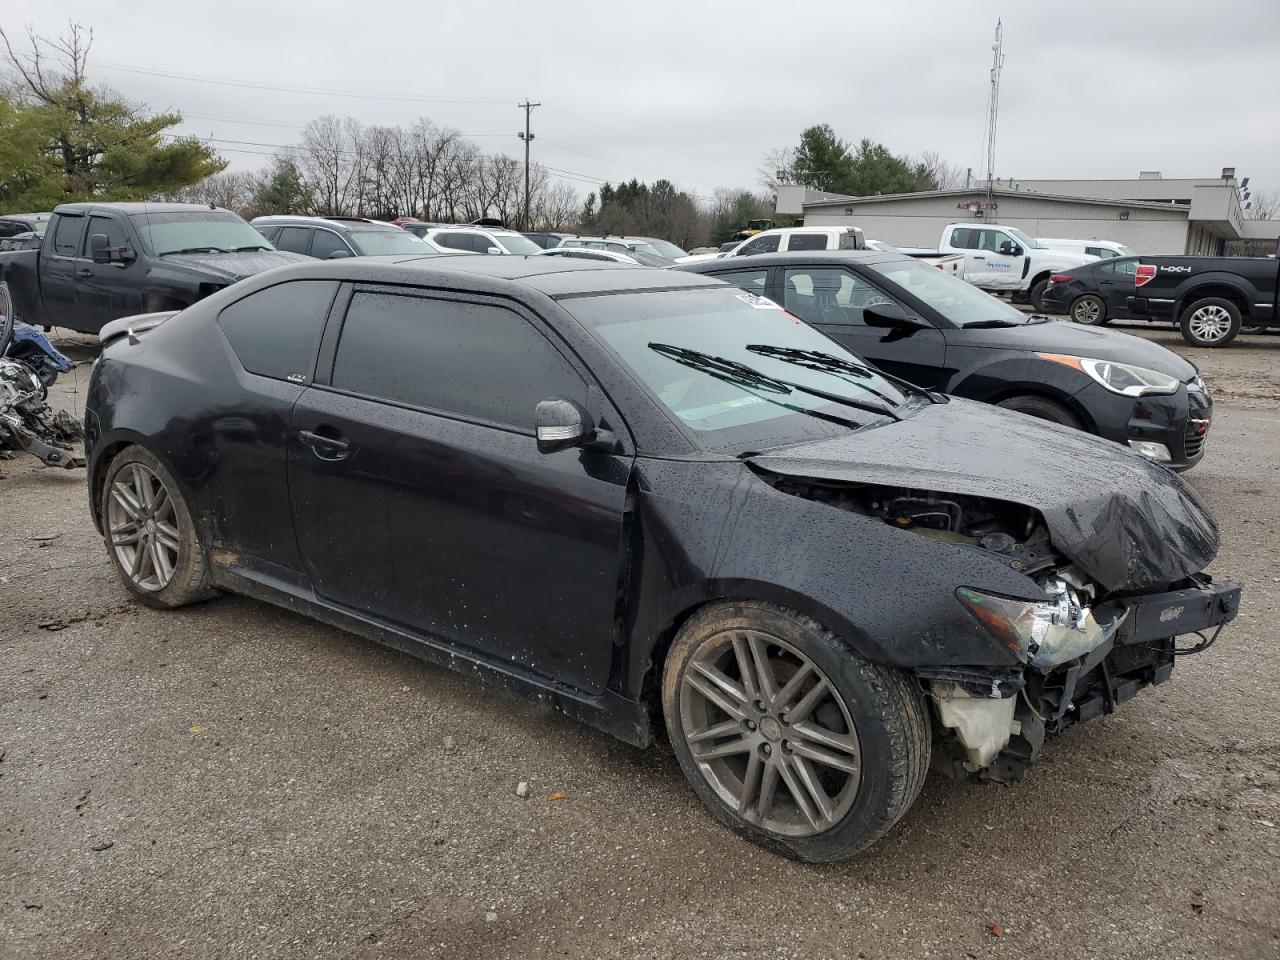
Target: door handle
84 272
325 447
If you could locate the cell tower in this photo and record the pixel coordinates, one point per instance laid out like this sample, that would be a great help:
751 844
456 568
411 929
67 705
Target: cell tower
993 110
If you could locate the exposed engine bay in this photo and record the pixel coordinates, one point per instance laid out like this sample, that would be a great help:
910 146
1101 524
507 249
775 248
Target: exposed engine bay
1080 651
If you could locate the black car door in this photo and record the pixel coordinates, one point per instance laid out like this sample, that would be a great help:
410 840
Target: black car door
58 266
833 298
106 291
419 494
1115 279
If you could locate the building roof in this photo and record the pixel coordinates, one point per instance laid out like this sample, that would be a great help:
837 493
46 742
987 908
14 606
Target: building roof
980 192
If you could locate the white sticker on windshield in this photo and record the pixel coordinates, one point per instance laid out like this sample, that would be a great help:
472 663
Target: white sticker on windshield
758 303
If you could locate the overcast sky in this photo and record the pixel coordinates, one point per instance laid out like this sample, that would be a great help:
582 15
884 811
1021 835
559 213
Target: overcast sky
699 91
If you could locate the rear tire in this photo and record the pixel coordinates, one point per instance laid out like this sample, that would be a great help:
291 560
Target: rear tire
149 533
855 752
1043 409
1089 310
1210 322
1036 292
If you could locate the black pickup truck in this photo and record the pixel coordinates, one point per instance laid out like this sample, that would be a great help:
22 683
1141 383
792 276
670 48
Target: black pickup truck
102 261
1210 298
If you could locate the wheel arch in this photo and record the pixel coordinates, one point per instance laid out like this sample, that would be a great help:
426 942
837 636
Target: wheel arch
1215 288
656 645
104 454
1074 407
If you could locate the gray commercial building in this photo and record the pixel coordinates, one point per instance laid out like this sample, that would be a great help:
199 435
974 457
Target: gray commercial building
1150 214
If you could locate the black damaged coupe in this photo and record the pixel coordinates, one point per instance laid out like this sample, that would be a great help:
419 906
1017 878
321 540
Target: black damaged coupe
652 498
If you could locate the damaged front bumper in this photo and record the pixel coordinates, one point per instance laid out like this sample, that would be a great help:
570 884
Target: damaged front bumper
1082 667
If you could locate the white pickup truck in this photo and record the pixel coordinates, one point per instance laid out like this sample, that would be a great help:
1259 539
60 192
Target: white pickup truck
1004 259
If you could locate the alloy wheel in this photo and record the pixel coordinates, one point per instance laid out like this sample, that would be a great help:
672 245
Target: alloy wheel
1210 323
142 527
770 734
1087 311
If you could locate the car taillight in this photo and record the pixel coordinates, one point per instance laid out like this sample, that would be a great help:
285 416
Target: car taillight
1145 274
1061 278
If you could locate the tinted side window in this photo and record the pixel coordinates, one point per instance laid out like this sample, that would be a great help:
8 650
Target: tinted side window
8 228
113 229
767 244
294 239
454 241
1120 268
1102 252
325 243
827 296
275 332
66 236
964 238
269 232
475 360
991 240
807 241
753 281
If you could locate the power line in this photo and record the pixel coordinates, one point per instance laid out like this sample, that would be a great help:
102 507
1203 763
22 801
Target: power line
285 88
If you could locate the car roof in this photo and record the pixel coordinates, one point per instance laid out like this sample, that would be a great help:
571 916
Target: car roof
472 228
553 276
337 223
139 207
786 259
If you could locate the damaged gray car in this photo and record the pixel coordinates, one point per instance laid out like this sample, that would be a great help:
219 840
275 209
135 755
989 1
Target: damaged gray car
653 500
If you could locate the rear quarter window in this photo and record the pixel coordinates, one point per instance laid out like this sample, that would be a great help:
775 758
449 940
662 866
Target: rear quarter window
275 332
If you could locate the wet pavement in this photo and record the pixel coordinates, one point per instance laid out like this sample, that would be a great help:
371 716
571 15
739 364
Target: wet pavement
231 780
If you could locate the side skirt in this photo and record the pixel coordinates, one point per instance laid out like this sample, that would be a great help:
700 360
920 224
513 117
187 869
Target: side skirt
609 712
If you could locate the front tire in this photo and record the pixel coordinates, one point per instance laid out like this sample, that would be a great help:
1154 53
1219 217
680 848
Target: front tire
1089 310
1043 409
149 533
790 737
1210 322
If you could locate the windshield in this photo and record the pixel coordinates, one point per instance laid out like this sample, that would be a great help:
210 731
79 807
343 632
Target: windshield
514 243
1027 242
960 302
201 231
374 243
664 249
39 227
679 343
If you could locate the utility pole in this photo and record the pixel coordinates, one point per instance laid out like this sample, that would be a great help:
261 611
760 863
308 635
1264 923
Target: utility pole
993 110
527 137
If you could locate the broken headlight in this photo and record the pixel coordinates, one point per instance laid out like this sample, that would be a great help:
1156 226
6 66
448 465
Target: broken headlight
1042 633
1121 378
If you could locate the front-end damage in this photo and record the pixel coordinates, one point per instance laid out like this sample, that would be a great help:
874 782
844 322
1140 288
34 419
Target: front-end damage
1080 649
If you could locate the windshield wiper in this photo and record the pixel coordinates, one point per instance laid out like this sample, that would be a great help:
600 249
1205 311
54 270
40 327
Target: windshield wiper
739 374
992 324
194 250
829 363
256 246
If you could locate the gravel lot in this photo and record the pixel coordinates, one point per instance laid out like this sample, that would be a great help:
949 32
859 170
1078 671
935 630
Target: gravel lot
232 781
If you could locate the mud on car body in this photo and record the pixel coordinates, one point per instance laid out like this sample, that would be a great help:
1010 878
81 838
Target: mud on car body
651 498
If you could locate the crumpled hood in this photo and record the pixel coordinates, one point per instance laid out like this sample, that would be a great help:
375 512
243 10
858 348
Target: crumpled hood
235 266
1128 523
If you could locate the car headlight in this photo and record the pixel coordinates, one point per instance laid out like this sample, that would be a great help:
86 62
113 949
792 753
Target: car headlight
1041 633
1121 378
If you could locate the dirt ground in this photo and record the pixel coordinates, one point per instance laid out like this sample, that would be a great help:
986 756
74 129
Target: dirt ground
232 781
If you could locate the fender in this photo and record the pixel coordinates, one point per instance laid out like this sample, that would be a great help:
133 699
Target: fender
1189 291
889 593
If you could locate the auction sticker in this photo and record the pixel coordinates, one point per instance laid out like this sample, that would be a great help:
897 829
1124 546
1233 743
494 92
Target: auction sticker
756 302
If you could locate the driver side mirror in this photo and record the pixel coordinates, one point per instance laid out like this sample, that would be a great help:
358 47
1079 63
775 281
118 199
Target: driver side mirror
340 254
493 250
1010 249
892 317
561 423
101 251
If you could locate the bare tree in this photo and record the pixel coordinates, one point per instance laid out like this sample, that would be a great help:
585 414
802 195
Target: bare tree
775 168
938 173
1264 205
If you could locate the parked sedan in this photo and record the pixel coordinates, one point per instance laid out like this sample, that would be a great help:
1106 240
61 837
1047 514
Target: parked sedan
608 256
921 324
1094 294
333 238
638 495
